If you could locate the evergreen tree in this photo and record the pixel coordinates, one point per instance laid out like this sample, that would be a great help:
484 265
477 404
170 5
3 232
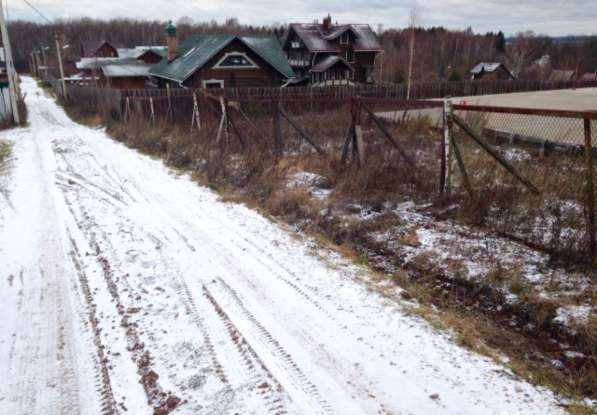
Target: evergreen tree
500 42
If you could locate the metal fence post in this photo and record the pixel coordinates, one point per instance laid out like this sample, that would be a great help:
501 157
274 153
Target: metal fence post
446 167
590 191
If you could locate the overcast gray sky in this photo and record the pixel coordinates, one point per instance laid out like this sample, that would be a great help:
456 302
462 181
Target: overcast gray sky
553 17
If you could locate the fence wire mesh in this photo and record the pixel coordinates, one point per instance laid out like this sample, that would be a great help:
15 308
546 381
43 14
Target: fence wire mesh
546 150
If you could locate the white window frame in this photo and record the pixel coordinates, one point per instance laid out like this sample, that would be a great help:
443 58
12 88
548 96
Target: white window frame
212 81
219 65
295 44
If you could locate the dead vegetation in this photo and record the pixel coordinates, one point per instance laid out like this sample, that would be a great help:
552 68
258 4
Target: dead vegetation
496 310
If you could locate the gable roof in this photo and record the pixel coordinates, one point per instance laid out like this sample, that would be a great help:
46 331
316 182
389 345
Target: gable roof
125 70
328 62
316 40
197 50
486 67
90 48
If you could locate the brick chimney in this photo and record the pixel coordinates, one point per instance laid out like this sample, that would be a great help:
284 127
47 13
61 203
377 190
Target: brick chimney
172 41
327 23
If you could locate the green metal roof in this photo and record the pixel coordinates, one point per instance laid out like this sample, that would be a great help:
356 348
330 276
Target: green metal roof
197 50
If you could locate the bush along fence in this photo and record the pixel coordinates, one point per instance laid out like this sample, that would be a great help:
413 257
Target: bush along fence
526 173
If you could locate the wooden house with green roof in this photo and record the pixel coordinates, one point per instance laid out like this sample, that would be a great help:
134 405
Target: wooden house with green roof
222 61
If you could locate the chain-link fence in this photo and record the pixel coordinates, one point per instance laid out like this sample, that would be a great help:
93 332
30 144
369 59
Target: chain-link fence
528 173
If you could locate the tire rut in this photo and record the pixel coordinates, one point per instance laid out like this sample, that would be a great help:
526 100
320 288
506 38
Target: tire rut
298 377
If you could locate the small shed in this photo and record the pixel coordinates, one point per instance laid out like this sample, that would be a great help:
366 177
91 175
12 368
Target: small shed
493 71
125 75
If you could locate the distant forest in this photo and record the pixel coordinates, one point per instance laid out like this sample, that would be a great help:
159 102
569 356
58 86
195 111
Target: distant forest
439 53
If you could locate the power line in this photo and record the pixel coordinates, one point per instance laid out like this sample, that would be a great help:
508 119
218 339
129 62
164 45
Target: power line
37 11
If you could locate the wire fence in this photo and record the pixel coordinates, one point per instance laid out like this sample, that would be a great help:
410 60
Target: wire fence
541 169
524 172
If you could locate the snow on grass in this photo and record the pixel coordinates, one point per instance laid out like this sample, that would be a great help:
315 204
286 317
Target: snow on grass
314 184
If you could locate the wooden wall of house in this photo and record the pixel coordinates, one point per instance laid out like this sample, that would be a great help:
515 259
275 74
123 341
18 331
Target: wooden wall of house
265 75
129 82
499 75
106 51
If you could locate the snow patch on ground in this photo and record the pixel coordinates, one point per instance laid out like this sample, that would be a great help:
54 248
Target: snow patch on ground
314 184
571 315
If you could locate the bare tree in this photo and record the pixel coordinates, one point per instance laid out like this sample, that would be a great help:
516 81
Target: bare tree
413 21
520 51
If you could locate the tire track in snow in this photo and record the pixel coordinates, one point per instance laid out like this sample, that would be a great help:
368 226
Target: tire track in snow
108 403
248 367
311 394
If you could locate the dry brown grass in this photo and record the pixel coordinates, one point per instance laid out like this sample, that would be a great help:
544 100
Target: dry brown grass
5 151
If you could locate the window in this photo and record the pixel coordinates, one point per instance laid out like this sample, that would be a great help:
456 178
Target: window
236 60
344 38
295 44
213 83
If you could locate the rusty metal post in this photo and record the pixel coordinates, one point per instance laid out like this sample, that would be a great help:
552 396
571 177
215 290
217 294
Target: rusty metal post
590 192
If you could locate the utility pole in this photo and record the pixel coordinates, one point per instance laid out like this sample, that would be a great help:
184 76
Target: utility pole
413 20
10 70
34 57
59 56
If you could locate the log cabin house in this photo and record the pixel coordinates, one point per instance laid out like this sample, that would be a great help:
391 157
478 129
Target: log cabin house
494 71
218 61
326 53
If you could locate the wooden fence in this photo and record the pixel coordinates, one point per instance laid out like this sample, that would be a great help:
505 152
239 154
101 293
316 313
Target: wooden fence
420 91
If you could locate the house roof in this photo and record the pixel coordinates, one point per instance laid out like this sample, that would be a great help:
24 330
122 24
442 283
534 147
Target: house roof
131 70
94 63
89 48
138 51
318 40
328 62
559 75
197 50
489 67
486 67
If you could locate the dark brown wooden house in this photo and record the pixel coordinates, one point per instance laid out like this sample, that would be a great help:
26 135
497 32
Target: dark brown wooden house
218 61
327 52
494 71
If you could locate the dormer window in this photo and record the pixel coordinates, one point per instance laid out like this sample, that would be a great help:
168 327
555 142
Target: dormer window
235 60
345 38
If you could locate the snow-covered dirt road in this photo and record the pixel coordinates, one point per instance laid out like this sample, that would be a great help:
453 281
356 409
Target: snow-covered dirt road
128 289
